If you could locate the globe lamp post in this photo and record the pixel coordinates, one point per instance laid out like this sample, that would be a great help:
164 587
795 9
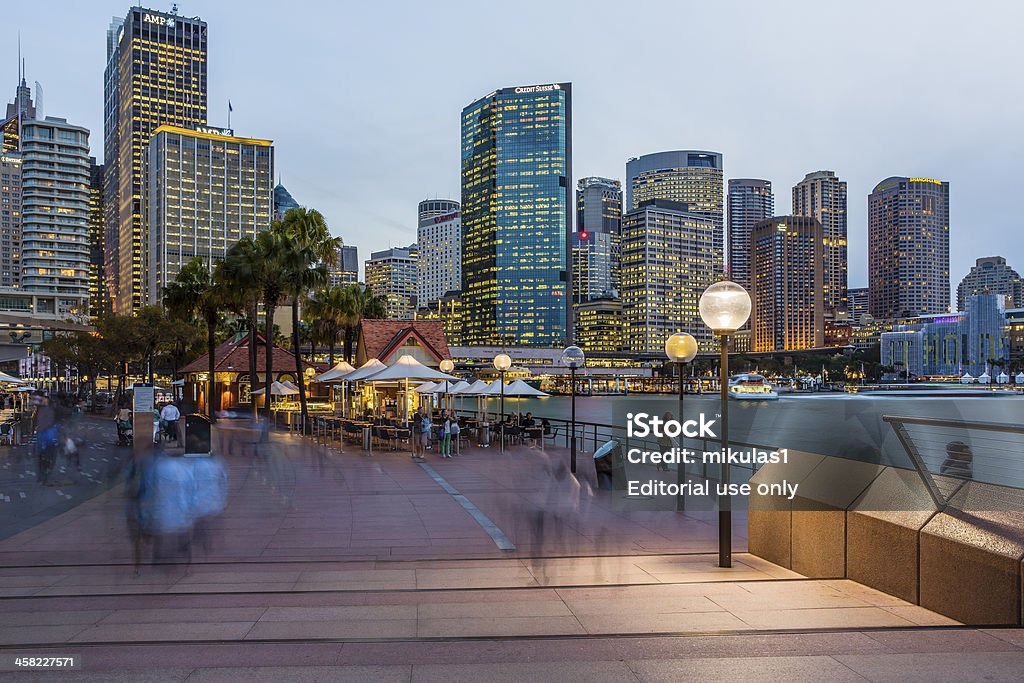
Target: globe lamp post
502 362
446 367
573 358
724 307
681 348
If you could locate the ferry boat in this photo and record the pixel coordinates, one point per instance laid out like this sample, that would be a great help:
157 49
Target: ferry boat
749 387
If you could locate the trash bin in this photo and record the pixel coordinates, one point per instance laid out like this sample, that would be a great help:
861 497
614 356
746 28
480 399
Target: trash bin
197 435
368 438
483 435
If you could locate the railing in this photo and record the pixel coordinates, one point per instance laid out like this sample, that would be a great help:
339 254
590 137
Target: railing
948 453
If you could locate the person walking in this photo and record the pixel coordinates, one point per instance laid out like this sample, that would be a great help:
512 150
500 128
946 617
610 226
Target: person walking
446 436
169 417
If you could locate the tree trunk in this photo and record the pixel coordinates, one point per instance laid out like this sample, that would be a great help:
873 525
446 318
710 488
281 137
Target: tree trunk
253 322
334 338
269 305
349 334
299 375
211 393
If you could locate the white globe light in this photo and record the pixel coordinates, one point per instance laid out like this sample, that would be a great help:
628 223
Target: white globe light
447 365
724 307
573 357
681 347
502 362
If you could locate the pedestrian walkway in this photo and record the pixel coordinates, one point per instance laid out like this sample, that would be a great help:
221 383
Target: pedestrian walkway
349 567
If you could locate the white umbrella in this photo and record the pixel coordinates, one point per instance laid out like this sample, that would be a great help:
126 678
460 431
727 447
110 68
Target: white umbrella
335 374
425 388
1002 378
4 377
277 389
368 368
967 378
493 389
521 388
291 385
478 387
1020 378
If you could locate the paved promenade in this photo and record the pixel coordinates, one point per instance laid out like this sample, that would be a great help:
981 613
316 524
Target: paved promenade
336 566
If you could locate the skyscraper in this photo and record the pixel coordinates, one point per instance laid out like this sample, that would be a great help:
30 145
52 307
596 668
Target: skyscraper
858 304
20 109
392 274
692 177
788 311
10 219
595 244
908 247
55 212
283 201
750 201
667 263
155 75
991 275
98 303
205 190
822 195
439 237
347 270
516 215
598 205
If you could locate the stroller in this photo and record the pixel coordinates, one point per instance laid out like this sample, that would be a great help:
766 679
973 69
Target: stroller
124 433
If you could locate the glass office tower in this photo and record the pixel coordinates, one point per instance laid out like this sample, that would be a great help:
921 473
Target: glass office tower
750 201
156 74
516 203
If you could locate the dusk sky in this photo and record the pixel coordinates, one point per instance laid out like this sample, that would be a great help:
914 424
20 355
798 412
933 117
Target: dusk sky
363 99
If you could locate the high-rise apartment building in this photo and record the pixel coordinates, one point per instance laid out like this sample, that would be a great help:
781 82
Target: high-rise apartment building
516 216
347 270
205 190
908 247
392 274
749 202
788 311
692 177
822 195
991 275
98 303
439 237
668 260
156 75
55 212
10 219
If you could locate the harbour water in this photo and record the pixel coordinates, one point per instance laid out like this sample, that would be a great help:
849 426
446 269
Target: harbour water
838 424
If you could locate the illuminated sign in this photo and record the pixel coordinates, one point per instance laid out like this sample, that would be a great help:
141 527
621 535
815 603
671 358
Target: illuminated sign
925 180
158 20
538 88
210 130
10 160
448 217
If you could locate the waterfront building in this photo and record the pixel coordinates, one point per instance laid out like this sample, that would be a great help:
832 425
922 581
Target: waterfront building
205 189
991 275
902 349
988 344
857 305
283 201
594 265
749 202
599 325
692 177
347 270
98 303
1015 335
55 212
156 75
392 274
668 260
516 216
822 195
788 311
10 219
439 238
908 247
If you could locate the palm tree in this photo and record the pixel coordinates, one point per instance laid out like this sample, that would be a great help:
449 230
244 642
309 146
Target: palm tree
327 308
266 272
310 249
196 292
239 275
358 303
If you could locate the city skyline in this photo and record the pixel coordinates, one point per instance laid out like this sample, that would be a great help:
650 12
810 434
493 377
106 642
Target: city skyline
934 131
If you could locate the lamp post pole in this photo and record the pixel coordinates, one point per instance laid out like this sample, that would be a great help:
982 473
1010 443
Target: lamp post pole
724 499
681 348
572 446
681 465
502 418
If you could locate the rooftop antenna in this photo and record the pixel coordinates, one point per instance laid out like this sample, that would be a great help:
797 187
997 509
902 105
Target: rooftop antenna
174 8
21 79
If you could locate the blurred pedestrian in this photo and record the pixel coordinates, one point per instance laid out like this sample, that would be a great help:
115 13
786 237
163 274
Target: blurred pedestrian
209 498
959 460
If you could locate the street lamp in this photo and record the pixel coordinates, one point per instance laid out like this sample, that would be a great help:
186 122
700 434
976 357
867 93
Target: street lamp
446 367
574 358
681 348
502 363
724 307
